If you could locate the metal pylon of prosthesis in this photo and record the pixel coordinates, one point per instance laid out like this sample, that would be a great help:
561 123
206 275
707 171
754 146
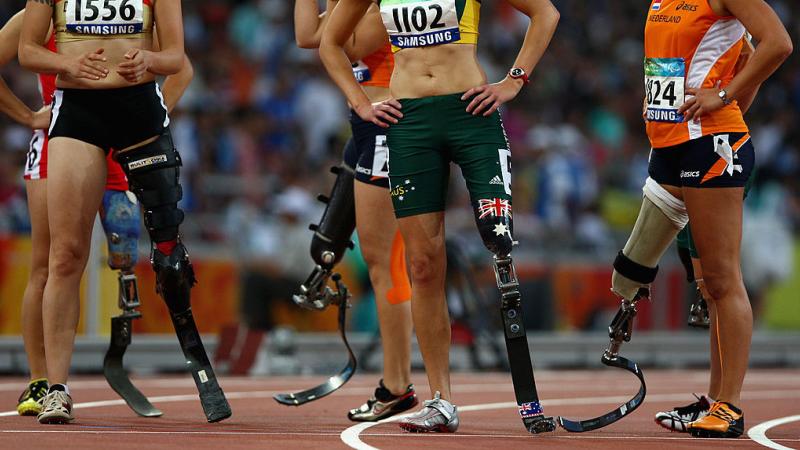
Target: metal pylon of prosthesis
519 357
121 331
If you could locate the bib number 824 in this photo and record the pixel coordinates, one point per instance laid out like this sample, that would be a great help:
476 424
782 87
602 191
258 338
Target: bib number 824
659 91
88 10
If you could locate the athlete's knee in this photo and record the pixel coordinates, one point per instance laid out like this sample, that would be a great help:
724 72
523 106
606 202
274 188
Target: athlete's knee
67 259
721 283
38 277
427 267
495 225
174 277
120 217
153 171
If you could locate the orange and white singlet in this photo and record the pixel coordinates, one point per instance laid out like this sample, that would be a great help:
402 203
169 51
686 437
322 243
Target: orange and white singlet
686 45
375 69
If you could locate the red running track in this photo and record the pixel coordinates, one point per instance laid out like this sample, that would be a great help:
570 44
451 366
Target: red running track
488 416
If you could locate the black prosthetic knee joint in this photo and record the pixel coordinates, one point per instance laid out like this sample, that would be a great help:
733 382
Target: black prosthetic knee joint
332 234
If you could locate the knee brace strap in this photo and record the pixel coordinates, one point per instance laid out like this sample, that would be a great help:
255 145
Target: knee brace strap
673 208
153 171
633 270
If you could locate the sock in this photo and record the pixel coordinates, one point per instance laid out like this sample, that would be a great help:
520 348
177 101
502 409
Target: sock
59 387
166 247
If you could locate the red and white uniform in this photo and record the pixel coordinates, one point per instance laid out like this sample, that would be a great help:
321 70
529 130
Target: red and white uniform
36 162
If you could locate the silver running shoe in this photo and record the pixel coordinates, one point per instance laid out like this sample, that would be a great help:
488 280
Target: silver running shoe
57 408
384 404
679 418
437 415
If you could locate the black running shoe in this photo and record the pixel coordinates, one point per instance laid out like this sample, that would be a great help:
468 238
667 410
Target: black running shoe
384 404
681 416
30 402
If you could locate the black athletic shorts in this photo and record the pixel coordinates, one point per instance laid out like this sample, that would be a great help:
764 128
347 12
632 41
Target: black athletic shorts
716 160
367 153
109 118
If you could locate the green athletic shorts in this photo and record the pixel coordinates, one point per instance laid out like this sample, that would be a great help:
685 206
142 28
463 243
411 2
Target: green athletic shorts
433 132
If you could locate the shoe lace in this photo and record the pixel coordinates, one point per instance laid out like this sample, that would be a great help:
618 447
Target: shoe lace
690 408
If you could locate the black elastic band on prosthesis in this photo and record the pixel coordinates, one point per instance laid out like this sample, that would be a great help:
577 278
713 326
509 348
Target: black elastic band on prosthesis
633 270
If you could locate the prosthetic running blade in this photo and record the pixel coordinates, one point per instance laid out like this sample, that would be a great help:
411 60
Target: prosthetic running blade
620 331
115 372
335 382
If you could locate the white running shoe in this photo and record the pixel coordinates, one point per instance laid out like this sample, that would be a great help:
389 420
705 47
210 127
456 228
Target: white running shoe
679 418
437 415
57 408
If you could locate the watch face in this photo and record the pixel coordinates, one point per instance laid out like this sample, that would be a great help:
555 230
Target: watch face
516 72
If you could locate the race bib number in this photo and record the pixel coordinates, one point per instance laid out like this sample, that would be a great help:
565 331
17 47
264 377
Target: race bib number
361 72
664 80
104 17
420 23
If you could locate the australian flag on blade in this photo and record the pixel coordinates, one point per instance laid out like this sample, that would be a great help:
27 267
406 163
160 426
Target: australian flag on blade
530 409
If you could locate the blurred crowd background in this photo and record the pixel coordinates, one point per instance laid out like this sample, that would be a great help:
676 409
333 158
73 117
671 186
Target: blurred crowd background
261 124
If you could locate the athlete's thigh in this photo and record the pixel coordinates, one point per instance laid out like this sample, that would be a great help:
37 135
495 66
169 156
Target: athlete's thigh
424 238
716 218
375 222
76 180
40 228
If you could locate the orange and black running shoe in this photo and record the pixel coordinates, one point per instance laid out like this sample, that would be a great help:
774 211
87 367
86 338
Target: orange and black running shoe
722 421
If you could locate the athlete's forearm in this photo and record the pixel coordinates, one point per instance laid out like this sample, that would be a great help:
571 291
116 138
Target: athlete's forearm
745 99
10 104
544 19
335 36
774 46
175 85
168 60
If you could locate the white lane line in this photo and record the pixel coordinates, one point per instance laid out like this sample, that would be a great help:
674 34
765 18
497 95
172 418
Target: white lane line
759 432
351 436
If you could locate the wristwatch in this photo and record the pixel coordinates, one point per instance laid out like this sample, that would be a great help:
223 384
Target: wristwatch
723 95
519 74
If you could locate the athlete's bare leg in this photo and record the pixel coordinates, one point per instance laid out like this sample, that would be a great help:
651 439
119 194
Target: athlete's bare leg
376 227
425 247
714 376
716 217
32 334
76 181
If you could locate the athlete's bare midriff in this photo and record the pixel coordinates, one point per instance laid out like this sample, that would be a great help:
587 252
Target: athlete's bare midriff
114 51
377 94
440 70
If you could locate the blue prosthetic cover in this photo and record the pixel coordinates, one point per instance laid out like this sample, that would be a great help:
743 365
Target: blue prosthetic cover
121 221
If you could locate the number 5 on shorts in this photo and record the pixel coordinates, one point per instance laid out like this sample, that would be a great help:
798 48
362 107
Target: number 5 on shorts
505 168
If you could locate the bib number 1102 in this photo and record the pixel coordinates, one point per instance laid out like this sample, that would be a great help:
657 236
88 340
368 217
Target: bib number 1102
408 20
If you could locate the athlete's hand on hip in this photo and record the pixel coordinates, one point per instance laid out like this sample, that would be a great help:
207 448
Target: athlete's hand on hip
41 119
136 65
87 66
382 114
489 97
704 102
